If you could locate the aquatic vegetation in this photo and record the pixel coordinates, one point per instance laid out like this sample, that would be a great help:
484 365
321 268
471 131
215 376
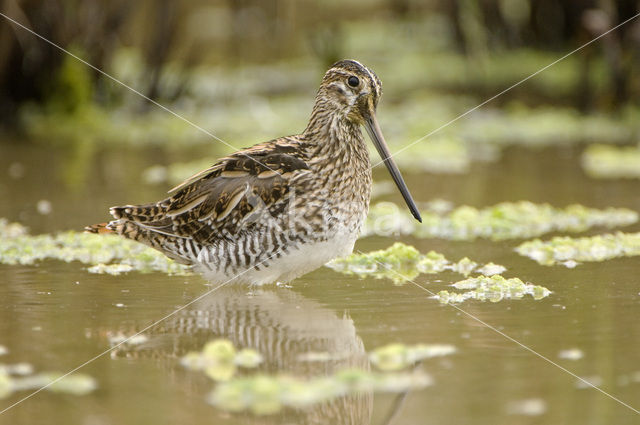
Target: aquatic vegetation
398 263
483 135
544 126
107 253
19 377
400 356
219 359
571 354
95 125
386 219
72 87
631 378
21 369
76 384
441 155
491 288
591 381
490 269
112 269
401 263
10 230
507 220
571 251
431 37
120 338
320 356
264 394
611 162
527 407
243 107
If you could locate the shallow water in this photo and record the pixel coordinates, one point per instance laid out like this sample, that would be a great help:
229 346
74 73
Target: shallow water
56 316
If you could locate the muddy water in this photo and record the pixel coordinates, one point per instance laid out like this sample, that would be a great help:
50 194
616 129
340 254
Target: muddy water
57 316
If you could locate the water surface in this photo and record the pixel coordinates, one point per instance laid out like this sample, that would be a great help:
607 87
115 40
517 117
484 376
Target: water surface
57 316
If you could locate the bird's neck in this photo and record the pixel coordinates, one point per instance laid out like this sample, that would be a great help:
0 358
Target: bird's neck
333 134
340 159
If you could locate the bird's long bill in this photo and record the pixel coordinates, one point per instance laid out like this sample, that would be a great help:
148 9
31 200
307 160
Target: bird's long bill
371 124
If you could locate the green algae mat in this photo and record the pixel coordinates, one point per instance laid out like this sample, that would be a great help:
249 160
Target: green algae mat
265 394
507 220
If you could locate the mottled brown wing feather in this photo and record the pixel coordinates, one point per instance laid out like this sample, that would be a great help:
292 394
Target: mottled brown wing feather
217 202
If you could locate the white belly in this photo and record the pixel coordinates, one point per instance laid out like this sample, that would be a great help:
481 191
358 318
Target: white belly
293 264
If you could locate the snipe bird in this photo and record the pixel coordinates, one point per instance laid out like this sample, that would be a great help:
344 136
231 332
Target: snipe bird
279 209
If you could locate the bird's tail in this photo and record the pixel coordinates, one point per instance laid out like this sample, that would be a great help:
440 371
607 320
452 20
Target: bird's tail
169 245
100 228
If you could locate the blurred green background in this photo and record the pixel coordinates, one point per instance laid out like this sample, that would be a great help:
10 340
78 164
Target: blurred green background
246 69
74 142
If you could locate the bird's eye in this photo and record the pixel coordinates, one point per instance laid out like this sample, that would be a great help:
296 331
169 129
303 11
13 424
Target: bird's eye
353 81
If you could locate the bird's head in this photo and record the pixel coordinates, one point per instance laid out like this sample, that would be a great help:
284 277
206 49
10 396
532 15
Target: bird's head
351 91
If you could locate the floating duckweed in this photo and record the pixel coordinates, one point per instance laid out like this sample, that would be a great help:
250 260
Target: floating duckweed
248 358
391 357
442 155
317 356
570 251
11 230
490 269
18 377
494 288
631 378
483 136
433 262
264 394
465 266
77 384
300 393
611 162
266 399
112 269
543 126
402 262
97 125
219 349
438 206
121 339
507 220
396 382
398 263
5 385
394 357
219 359
571 354
386 218
381 188
527 407
17 369
220 371
588 382
107 253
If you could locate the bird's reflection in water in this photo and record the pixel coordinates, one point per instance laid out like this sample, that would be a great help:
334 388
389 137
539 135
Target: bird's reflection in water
283 326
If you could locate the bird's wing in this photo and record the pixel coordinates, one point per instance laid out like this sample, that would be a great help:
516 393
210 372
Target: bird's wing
227 197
